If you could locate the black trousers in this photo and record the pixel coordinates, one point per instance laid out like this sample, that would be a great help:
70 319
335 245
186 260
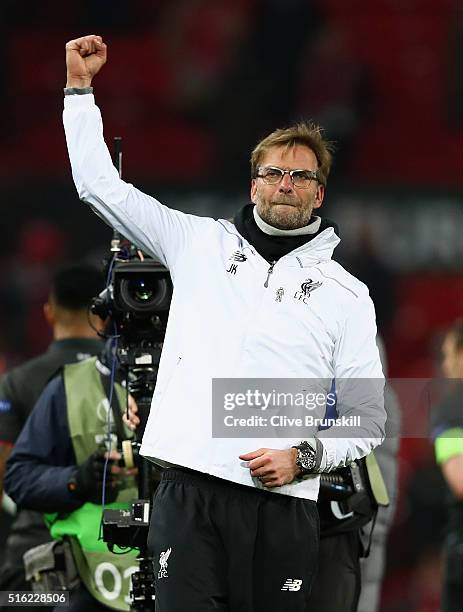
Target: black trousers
230 548
452 592
337 584
12 573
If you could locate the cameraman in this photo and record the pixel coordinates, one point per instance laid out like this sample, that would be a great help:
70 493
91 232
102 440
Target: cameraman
58 467
74 339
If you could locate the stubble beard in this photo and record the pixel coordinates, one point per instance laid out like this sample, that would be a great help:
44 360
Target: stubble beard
292 216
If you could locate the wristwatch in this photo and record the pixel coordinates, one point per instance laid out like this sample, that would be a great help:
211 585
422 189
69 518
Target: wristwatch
306 459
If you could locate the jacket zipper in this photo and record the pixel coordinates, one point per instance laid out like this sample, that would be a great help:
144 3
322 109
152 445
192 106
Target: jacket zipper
270 271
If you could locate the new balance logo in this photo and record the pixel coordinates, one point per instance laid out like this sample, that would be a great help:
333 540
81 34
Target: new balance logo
292 585
238 256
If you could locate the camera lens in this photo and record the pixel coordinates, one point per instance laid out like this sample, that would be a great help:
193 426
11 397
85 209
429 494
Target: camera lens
144 294
141 290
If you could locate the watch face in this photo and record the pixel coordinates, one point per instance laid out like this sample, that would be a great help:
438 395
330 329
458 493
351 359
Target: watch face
306 459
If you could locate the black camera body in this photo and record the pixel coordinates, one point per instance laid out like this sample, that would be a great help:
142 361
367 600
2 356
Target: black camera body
127 528
138 300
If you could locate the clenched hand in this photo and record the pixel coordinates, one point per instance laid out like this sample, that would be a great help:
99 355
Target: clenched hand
84 59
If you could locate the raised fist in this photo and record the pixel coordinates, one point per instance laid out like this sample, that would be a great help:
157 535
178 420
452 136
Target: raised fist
84 58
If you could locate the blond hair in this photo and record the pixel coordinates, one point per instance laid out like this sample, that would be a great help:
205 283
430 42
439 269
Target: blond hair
303 133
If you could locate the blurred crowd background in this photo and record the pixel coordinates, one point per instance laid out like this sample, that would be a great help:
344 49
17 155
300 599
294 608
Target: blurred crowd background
190 86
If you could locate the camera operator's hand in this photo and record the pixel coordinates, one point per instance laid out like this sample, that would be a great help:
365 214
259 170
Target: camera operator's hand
84 58
87 481
130 418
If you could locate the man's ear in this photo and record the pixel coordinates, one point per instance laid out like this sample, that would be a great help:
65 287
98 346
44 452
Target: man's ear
49 313
253 191
319 196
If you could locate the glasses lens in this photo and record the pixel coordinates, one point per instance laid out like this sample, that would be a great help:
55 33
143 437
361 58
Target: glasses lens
272 175
301 178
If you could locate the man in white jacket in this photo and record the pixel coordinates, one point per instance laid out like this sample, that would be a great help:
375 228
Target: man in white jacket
234 523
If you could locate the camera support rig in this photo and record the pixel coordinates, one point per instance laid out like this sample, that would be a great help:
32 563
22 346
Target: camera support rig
137 299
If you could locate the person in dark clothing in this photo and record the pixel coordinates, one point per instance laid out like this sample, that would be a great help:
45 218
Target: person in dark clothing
58 467
74 339
447 434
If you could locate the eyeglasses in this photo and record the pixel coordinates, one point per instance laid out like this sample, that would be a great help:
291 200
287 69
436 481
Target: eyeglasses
271 175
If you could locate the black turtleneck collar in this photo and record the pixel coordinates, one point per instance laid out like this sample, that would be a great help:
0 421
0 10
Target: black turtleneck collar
272 248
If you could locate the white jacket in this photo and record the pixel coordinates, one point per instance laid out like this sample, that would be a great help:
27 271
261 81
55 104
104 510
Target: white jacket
229 324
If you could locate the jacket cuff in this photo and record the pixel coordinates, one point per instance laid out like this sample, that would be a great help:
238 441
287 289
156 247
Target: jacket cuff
79 91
